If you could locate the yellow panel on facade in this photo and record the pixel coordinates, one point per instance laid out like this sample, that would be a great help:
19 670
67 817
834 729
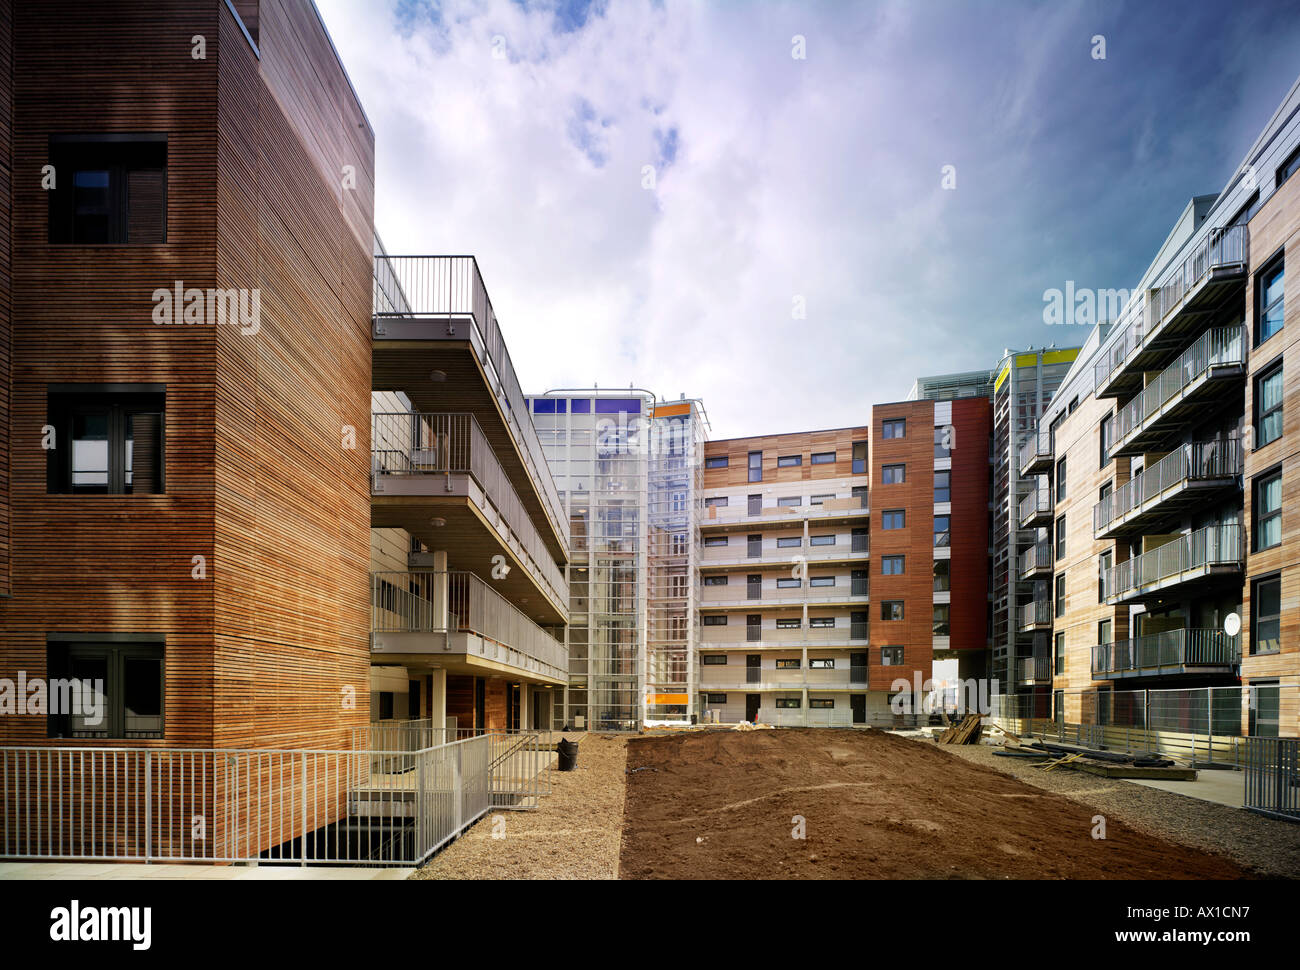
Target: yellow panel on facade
1061 356
668 410
1026 360
1006 371
669 699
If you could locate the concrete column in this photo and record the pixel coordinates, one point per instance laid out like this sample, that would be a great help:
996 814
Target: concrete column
525 692
438 699
439 591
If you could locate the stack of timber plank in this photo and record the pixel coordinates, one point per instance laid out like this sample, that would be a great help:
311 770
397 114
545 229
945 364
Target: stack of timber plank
967 732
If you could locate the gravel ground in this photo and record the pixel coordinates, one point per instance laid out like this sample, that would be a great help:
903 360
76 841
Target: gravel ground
1267 846
575 834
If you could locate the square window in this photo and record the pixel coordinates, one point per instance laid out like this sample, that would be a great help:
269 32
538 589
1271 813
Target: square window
891 565
111 189
893 428
116 689
893 519
893 474
115 441
891 610
891 656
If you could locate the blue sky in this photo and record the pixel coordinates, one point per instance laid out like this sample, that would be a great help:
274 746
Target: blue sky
524 132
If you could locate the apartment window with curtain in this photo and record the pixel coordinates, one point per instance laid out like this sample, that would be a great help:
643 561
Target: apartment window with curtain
1267 532
891 656
108 439
755 466
1268 300
1060 538
891 565
1268 406
893 428
1266 615
893 474
823 458
1059 654
110 189
1060 595
859 457
942 486
939 624
891 610
942 575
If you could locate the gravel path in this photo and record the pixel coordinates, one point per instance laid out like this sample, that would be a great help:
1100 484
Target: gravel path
1267 846
575 834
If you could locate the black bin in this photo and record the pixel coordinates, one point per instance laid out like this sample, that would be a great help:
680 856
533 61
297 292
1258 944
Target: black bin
568 752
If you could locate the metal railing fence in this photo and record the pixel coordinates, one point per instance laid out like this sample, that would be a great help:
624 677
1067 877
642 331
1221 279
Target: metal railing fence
1272 782
1199 461
1217 545
271 806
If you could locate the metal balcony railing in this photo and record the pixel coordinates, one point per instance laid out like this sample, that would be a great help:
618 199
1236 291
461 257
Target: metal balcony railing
1133 329
1220 458
1037 612
1038 556
1036 669
1219 250
419 443
1167 649
1037 502
1217 347
408 602
452 286
1219 545
1035 447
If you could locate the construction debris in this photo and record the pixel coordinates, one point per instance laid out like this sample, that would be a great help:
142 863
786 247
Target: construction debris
967 732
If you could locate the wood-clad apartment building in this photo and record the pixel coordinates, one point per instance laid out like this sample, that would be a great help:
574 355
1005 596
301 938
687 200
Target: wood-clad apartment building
186 510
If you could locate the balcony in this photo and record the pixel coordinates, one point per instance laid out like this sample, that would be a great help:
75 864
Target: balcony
1036 562
1035 671
1169 653
736 596
1036 453
1213 365
718 518
1210 276
435 337
1036 615
721 558
1036 508
736 636
438 477
1213 551
1184 478
463 623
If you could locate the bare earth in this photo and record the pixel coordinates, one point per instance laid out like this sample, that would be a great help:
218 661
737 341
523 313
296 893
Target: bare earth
721 805
573 835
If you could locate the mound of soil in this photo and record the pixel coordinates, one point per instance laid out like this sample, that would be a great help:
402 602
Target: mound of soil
727 805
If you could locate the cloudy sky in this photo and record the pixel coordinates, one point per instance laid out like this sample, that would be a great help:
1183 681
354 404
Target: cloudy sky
656 190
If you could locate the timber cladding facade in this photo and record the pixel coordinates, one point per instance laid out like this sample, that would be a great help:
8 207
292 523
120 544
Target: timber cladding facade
202 517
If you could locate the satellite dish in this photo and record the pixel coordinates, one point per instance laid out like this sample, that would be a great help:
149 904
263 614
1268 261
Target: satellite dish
1232 624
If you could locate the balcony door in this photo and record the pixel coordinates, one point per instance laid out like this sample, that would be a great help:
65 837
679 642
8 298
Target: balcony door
753 668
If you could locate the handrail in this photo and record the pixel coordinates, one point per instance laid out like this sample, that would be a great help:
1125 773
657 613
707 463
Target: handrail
417 442
1220 247
447 286
1216 347
1197 461
1038 500
1211 546
1168 648
1036 443
408 602
1038 556
1036 611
